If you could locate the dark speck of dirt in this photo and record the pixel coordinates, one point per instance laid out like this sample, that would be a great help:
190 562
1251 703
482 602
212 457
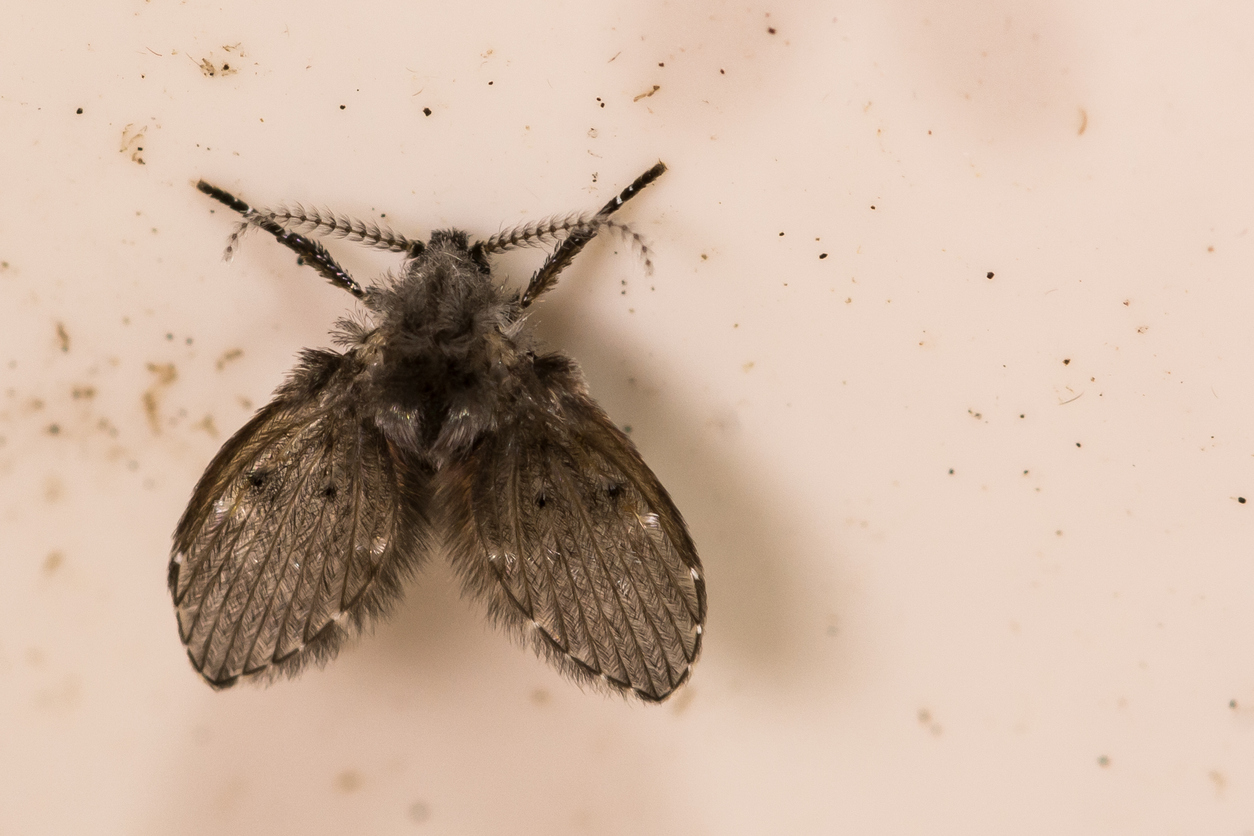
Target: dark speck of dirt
1241 500
822 255
990 275
343 107
1067 361
771 29
426 111
54 429
63 337
1103 761
951 471
1077 444
79 111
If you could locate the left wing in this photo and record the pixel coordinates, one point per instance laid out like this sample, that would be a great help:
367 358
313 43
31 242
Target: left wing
301 528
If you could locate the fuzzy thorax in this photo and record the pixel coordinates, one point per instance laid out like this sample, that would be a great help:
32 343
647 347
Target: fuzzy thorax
447 342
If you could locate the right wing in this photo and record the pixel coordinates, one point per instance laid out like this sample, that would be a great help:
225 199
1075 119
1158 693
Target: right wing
561 527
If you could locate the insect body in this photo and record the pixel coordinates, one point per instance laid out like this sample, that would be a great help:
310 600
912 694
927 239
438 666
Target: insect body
441 421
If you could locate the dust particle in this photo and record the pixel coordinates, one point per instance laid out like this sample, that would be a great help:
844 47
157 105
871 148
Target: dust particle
1103 761
166 375
208 426
1219 780
648 93
83 393
63 337
683 700
1241 500
426 111
989 275
348 781
132 141
419 812
1084 122
926 721
228 356
540 696
53 562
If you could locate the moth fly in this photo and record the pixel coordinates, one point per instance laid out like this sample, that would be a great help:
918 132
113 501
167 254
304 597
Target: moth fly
440 421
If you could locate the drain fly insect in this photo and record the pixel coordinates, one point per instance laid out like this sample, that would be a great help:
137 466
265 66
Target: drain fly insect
440 422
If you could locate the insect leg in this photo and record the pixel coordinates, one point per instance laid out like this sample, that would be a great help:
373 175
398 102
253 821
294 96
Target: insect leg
546 276
310 251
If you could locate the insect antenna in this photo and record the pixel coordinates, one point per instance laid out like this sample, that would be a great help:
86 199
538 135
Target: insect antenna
310 251
546 276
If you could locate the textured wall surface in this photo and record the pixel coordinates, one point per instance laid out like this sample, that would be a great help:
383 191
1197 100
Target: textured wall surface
945 359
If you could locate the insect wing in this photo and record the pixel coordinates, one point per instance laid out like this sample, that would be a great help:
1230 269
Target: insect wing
558 523
304 524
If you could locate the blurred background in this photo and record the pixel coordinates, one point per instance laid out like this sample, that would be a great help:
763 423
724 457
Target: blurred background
945 358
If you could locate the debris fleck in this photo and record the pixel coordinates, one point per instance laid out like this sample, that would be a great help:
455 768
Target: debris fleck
53 562
228 356
132 141
166 375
